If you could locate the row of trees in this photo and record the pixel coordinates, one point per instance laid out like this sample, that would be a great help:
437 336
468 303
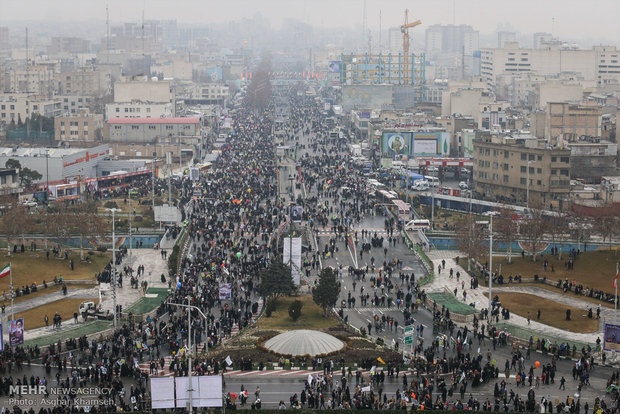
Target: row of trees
58 221
508 227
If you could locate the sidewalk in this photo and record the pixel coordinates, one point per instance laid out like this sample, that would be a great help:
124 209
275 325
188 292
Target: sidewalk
442 283
154 266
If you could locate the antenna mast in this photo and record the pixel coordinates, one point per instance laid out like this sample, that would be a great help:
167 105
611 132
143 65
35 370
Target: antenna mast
107 23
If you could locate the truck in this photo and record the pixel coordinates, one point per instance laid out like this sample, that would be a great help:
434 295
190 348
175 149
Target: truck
89 308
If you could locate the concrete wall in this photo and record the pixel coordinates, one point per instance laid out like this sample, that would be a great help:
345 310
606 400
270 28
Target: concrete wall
142 91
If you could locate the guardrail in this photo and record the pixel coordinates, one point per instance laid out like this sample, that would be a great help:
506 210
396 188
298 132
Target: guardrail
426 262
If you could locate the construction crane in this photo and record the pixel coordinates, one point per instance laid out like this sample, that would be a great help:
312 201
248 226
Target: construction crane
404 29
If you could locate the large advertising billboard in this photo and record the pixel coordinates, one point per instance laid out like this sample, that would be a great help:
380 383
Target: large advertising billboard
431 143
396 143
612 338
333 66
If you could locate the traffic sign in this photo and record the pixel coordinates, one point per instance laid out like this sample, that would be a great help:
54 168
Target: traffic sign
409 329
408 340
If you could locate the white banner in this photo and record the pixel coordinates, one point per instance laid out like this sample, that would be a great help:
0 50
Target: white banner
162 392
210 391
294 244
167 214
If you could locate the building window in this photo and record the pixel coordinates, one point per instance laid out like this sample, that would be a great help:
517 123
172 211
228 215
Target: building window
538 182
523 181
523 169
540 158
495 177
539 170
506 154
554 159
523 157
3 179
151 126
531 170
505 178
135 127
532 157
554 172
563 172
565 160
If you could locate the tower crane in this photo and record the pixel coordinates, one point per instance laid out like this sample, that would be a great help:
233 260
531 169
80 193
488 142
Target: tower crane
404 29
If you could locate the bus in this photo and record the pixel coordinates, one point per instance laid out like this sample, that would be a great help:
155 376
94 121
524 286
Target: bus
432 181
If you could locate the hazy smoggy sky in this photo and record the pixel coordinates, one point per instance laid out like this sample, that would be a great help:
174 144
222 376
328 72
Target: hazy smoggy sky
594 20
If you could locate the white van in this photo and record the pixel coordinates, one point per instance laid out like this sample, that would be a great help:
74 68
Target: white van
418 224
420 185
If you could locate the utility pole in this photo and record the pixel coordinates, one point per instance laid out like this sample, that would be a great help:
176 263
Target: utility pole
153 179
490 269
113 278
190 350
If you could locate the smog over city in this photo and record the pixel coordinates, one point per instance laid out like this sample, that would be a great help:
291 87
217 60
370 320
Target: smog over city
323 204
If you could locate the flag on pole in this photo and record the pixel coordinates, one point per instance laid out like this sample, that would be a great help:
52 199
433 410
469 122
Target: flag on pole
7 269
228 360
380 360
614 284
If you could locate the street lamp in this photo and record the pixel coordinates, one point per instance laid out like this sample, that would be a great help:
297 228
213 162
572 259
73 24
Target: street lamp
189 344
527 194
490 223
113 278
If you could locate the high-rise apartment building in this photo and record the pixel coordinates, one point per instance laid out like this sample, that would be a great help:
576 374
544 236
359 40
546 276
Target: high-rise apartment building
503 37
461 39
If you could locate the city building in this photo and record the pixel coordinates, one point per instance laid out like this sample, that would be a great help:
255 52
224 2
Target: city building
82 126
61 44
9 181
205 94
521 169
35 79
504 36
5 45
461 39
540 38
600 64
567 122
150 130
84 81
142 91
55 164
138 109
16 106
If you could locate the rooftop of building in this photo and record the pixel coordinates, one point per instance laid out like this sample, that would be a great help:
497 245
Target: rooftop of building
192 120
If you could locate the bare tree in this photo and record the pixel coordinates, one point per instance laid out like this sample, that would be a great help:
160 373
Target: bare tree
62 224
87 223
507 228
533 229
12 221
606 227
558 230
470 238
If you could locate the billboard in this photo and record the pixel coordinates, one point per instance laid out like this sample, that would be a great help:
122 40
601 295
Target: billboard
167 214
162 392
431 143
611 338
16 332
394 143
194 173
225 291
296 213
293 244
333 66
215 74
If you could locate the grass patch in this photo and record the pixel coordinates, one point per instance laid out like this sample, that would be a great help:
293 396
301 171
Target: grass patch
595 269
311 316
79 330
551 313
50 289
34 318
31 267
561 292
145 305
451 303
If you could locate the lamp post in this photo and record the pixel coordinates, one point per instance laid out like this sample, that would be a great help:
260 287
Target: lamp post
527 194
113 278
189 344
490 223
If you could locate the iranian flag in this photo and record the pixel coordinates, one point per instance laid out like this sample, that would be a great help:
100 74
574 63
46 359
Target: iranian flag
614 285
5 271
